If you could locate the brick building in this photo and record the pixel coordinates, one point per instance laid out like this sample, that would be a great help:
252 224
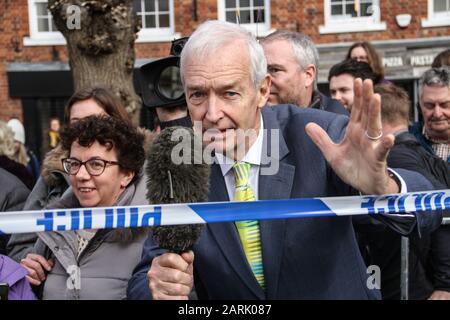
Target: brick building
35 78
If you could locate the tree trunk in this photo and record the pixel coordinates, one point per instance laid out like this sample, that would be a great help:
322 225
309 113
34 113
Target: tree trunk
100 39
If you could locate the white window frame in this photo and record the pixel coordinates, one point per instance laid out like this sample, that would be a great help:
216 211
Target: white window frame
259 29
159 34
435 19
352 24
40 38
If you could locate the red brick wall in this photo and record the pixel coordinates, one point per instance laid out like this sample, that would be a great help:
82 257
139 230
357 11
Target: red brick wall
307 15
298 15
13 28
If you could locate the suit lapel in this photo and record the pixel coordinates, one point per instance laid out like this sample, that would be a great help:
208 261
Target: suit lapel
273 231
218 190
274 186
228 240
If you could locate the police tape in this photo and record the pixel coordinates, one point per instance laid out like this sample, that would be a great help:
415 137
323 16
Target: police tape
210 212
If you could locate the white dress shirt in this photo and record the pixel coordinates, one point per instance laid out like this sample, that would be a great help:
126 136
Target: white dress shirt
253 156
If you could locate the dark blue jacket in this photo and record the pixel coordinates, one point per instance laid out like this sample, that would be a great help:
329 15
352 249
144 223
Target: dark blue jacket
13 194
416 129
309 258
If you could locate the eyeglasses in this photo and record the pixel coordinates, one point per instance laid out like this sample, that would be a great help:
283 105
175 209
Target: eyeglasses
94 167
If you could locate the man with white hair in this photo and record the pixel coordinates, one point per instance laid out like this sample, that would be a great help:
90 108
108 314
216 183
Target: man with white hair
226 86
292 62
434 133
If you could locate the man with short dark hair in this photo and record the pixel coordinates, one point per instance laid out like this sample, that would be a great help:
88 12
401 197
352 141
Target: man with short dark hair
342 76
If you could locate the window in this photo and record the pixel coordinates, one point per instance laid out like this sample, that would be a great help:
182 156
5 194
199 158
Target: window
253 15
44 18
438 14
156 17
351 9
42 28
352 16
157 20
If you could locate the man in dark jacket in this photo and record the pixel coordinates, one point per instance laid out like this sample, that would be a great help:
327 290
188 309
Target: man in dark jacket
429 270
434 133
13 195
342 77
292 62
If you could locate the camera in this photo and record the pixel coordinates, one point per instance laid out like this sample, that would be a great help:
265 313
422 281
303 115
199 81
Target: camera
160 80
4 289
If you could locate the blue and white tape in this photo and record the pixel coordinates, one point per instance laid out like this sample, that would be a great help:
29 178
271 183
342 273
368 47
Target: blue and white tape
194 213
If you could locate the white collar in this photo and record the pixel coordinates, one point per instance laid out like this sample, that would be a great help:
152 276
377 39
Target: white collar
253 156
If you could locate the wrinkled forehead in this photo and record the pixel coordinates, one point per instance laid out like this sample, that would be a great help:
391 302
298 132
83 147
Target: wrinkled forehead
437 92
206 51
227 60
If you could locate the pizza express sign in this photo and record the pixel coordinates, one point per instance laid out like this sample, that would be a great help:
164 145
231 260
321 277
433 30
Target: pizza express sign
404 60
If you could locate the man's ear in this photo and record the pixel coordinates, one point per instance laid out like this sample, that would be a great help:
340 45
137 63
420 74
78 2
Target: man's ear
310 72
127 176
264 91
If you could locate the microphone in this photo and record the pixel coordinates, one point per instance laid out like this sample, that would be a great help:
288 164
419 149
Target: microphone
169 181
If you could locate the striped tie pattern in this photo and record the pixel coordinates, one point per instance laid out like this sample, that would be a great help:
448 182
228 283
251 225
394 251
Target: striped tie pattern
248 230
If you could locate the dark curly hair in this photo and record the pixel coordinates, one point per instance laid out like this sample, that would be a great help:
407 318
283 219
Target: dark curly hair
110 132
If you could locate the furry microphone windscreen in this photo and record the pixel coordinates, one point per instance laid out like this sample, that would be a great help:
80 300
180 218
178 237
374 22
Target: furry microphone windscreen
176 173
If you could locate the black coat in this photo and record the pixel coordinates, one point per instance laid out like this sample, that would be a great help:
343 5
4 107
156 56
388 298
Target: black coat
429 259
13 194
17 169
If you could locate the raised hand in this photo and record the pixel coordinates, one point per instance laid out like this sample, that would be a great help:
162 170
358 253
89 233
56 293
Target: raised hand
360 158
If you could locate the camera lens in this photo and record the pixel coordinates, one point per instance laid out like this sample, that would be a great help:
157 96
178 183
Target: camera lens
177 46
177 49
169 83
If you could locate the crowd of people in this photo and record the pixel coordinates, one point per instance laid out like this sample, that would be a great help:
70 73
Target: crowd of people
358 141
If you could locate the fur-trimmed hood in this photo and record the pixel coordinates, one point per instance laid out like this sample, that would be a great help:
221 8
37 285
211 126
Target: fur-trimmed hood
52 169
149 136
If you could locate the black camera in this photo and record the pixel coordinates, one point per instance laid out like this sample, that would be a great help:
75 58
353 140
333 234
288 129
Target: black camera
4 290
160 80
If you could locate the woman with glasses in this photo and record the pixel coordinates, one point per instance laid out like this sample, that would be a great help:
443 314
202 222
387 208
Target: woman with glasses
53 182
105 157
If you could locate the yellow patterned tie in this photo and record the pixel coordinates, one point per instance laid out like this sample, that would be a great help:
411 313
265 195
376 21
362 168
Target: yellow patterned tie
248 230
